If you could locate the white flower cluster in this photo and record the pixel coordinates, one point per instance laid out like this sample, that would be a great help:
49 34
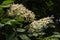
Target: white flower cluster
39 24
20 11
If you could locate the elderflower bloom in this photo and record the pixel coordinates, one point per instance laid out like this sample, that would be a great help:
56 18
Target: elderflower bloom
20 11
40 24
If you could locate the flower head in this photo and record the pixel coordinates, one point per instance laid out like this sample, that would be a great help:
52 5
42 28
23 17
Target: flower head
40 24
20 11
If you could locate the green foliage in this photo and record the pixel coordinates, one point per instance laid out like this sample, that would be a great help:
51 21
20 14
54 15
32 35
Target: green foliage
7 2
4 5
24 37
53 37
11 25
14 30
17 28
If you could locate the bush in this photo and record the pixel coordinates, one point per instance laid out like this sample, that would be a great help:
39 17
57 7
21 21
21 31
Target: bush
20 21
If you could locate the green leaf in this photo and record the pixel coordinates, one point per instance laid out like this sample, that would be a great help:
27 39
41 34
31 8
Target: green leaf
11 37
7 2
20 20
9 23
20 30
48 38
24 37
4 6
56 33
57 36
35 34
50 3
1 25
5 20
14 22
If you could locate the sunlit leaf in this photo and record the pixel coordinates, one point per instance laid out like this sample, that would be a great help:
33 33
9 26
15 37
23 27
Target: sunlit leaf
5 6
7 2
